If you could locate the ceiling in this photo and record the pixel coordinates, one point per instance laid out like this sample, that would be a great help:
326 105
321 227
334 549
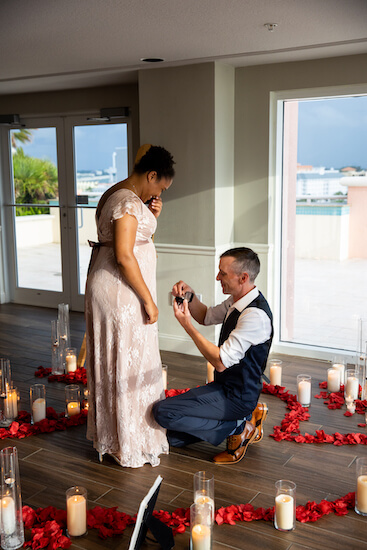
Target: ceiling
65 44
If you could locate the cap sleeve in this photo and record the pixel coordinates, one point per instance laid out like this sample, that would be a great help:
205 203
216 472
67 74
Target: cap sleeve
127 205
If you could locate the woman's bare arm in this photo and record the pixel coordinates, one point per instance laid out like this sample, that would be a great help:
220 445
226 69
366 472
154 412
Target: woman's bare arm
124 233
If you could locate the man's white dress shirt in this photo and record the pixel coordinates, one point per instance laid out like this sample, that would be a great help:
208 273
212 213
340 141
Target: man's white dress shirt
253 327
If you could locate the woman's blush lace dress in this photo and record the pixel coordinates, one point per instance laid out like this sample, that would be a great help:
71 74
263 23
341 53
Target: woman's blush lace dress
123 362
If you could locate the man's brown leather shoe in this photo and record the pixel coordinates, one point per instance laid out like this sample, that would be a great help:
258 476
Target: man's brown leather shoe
237 445
258 418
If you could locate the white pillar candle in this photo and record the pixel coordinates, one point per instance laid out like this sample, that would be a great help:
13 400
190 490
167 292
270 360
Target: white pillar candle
200 537
276 375
341 368
209 373
164 378
333 380
204 499
39 409
284 510
76 510
71 365
8 515
11 404
362 494
304 392
73 408
352 387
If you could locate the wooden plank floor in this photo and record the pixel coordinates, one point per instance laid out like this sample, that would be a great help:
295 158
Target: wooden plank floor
50 463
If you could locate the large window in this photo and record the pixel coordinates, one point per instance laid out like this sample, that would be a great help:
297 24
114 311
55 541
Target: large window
322 199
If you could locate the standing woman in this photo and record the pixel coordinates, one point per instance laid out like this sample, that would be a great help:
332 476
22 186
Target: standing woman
123 362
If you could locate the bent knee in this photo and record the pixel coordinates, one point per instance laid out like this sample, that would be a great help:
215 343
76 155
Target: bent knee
162 414
158 413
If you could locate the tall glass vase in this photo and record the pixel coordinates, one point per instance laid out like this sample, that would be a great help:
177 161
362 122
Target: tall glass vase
361 369
56 363
5 386
12 530
64 333
362 335
361 356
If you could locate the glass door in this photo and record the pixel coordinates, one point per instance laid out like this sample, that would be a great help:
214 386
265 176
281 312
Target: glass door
31 202
57 170
99 153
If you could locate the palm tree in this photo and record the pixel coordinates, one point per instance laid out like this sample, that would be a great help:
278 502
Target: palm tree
35 181
20 136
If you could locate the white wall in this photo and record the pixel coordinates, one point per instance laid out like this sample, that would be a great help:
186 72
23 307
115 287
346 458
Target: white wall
190 111
322 237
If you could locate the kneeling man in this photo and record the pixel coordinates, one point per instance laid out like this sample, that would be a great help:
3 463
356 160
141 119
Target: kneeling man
228 406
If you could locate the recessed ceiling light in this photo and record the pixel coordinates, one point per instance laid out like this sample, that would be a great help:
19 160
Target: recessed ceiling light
152 59
270 26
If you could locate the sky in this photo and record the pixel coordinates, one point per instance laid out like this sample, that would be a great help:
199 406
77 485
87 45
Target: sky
331 133
94 144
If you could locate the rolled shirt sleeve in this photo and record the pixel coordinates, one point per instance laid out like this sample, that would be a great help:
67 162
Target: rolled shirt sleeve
216 315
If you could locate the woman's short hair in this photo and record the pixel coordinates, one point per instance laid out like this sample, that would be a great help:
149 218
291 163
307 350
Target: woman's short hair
245 260
156 159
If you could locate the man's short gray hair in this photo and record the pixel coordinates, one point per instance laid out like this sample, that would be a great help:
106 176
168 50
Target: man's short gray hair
246 260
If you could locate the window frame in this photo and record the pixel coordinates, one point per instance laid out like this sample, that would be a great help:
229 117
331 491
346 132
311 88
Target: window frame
275 196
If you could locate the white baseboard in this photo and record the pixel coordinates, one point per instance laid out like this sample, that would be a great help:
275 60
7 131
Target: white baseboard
178 344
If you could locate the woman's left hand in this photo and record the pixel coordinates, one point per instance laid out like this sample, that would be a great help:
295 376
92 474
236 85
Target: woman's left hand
155 206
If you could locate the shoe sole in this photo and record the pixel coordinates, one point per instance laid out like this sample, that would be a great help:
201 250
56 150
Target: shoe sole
247 443
259 426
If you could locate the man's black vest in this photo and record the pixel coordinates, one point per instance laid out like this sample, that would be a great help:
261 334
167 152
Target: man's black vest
244 379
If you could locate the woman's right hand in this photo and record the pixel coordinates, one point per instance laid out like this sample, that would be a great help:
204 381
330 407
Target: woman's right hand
152 312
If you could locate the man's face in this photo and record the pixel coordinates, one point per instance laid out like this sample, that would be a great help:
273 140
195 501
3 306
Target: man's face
229 279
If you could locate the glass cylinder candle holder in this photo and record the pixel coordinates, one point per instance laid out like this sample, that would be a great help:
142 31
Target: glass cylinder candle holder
210 370
76 511
11 404
361 492
362 335
38 402
70 360
64 324
275 372
304 389
204 490
164 376
72 400
351 407
351 387
11 523
285 505
56 363
86 397
200 527
361 368
64 333
333 380
5 419
339 364
5 374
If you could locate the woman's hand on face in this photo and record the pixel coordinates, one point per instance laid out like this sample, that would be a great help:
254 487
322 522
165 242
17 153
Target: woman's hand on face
152 313
155 206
